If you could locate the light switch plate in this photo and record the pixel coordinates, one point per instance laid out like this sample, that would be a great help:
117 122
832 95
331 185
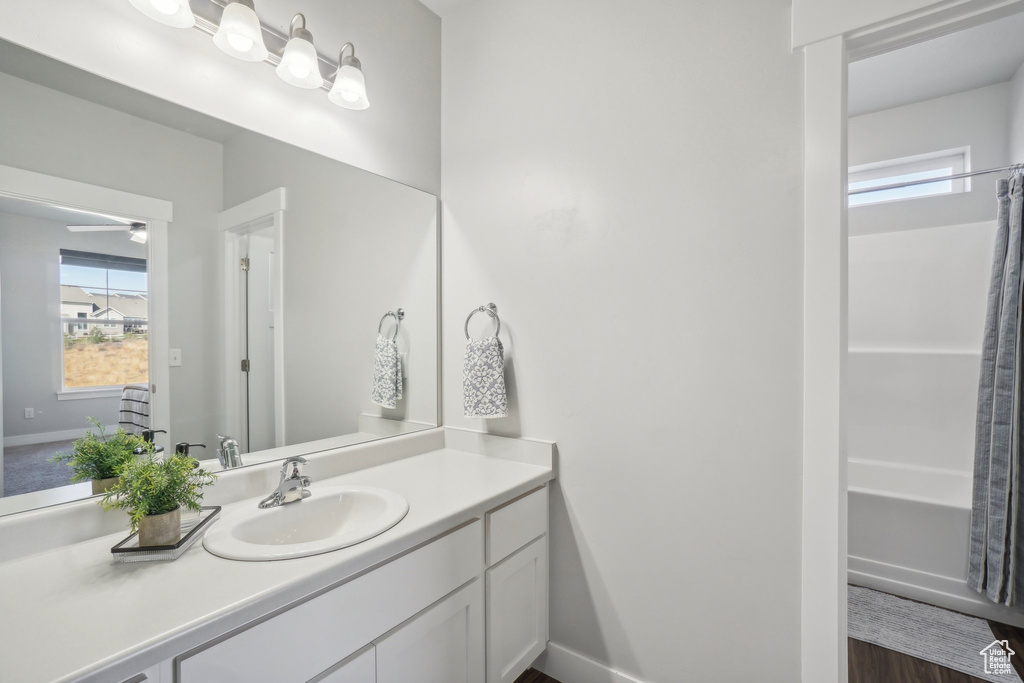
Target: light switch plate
175 355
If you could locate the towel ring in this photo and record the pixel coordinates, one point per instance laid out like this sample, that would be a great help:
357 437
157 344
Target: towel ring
398 316
489 309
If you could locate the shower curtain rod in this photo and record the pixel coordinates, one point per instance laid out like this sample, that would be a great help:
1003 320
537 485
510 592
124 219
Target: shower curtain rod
911 183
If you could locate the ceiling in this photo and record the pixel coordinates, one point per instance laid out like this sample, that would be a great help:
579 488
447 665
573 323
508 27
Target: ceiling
973 58
440 7
32 66
49 212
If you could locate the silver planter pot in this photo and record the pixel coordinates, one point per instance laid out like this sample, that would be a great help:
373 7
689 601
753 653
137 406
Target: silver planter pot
103 485
162 529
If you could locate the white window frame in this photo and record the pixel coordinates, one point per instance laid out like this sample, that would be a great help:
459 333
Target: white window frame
891 171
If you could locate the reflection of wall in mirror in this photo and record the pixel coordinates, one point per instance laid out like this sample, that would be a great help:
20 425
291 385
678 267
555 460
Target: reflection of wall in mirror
355 246
54 133
30 305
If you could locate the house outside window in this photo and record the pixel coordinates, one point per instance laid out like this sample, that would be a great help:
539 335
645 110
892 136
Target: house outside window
104 314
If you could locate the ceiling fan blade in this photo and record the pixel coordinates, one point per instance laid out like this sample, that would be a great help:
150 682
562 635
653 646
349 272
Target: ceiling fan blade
98 228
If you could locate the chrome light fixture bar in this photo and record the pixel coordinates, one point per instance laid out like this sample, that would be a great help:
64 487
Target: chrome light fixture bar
208 15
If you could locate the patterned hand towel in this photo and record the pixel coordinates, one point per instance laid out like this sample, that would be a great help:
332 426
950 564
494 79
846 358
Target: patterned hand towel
387 374
483 379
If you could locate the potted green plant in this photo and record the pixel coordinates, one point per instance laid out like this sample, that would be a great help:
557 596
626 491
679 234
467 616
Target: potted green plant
100 457
153 492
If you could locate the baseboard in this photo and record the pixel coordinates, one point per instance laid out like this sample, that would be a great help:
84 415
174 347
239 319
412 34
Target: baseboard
934 589
568 666
47 437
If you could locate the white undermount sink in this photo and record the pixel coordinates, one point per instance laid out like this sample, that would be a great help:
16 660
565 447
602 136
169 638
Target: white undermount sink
333 517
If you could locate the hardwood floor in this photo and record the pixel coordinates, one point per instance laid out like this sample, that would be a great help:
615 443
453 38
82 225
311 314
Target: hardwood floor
534 676
873 664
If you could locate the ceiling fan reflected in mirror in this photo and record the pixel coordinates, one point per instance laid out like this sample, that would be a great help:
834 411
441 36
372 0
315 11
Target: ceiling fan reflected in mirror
137 231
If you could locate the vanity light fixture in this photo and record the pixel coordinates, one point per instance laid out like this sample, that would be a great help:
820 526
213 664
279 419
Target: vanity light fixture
349 89
300 65
138 233
176 13
239 33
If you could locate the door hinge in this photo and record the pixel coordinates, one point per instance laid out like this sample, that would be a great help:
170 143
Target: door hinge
245 263
245 365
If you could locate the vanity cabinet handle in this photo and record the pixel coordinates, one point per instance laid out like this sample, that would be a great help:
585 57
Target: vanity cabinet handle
137 679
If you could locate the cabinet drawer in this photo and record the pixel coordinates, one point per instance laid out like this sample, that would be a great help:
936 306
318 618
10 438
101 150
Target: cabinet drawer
307 639
515 524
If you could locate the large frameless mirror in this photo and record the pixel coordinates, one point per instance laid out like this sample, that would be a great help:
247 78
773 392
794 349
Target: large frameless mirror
191 282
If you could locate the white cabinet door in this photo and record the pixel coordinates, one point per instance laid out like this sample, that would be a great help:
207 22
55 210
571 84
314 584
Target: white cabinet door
442 644
517 611
359 668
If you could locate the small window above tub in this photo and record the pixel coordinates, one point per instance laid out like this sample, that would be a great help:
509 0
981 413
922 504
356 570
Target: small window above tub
922 167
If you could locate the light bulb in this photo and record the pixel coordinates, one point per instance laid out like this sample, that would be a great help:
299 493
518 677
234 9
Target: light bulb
240 43
299 62
176 13
240 34
349 89
166 6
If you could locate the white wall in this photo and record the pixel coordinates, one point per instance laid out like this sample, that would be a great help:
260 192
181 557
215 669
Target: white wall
1017 117
978 119
355 246
49 132
919 272
32 334
398 42
626 190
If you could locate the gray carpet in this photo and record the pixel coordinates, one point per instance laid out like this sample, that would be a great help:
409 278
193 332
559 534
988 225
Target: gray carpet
27 468
949 639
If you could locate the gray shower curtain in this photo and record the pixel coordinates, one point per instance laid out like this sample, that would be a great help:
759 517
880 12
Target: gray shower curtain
996 554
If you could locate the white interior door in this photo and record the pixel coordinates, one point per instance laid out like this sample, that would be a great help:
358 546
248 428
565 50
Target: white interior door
261 283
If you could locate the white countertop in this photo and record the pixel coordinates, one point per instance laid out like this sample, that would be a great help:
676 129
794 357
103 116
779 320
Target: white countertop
72 613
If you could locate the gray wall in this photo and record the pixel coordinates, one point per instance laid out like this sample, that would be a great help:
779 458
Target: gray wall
32 332
626 186
355 246
50 132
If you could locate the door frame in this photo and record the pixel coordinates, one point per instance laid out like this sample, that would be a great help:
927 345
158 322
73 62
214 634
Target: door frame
257 214
157 214
824 513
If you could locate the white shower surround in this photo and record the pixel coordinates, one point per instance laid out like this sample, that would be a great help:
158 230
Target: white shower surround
908 535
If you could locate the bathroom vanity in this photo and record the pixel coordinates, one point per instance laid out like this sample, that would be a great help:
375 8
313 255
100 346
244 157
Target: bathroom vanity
456 591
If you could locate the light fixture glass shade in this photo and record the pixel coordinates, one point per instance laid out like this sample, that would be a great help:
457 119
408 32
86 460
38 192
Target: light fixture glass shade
349 88
176 13
239 33
300 65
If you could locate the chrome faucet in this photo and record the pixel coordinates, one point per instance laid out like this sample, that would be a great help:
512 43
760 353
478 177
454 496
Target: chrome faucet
229 454
292 486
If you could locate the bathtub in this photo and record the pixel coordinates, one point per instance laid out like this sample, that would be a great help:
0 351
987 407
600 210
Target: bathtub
909 530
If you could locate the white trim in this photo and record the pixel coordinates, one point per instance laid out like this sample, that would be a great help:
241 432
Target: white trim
934 589
823 554
71 194
569 666
824 533
47 437
83 394
254 210
264 211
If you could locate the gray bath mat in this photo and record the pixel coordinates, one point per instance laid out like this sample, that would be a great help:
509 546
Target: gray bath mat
933 634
